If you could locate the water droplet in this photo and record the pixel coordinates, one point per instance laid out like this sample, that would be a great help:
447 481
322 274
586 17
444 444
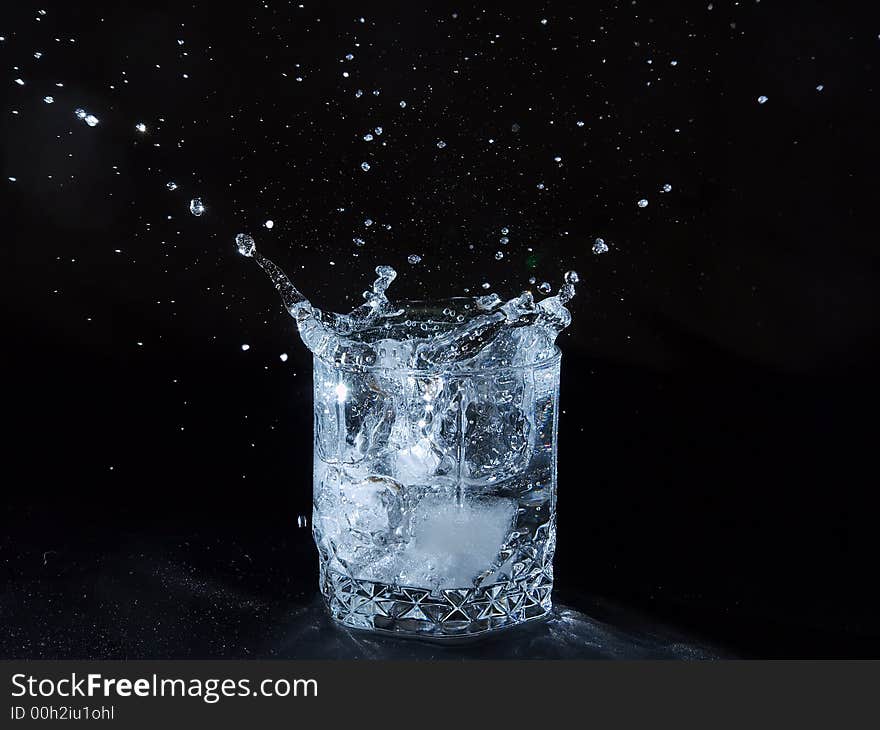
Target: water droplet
196 207
532 280
414 258
600 247
820 87
80 113
245 348
485 285
441 144
368 137
504 240
557 159
762 99
12 179
358 94
368 222
540 186
20 82
283 357
91 120
140 127
49 99
358 241
666 188
544 287
499 255
365 166
571 277
38 55
349 56
580 123
543 21
378 130
245 245
505 231
171 185
269 224
403 104
642 203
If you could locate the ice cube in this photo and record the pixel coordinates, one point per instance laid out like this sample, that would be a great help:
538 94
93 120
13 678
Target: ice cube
451 544
417 462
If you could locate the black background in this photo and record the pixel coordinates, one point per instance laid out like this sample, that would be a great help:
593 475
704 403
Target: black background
717 445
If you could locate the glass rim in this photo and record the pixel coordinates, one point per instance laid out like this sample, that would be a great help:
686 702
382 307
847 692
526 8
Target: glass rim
429 372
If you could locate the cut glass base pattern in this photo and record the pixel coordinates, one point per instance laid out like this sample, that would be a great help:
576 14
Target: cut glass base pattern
449 613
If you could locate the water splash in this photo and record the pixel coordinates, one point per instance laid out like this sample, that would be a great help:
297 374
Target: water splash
458 334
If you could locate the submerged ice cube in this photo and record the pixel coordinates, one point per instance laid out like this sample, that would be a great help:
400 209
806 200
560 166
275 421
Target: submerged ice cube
452 544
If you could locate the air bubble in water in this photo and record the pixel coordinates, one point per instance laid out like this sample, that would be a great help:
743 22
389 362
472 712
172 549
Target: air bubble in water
414 258
365 166
245 245
600 247
642 203
196 207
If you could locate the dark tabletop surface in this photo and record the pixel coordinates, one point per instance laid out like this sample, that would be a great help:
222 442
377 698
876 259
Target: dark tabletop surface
226 596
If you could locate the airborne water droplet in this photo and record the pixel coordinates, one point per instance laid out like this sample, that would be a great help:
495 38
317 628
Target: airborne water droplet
414 258
171 185
196 207
600 247
365 166
642 203
762 99
245 244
